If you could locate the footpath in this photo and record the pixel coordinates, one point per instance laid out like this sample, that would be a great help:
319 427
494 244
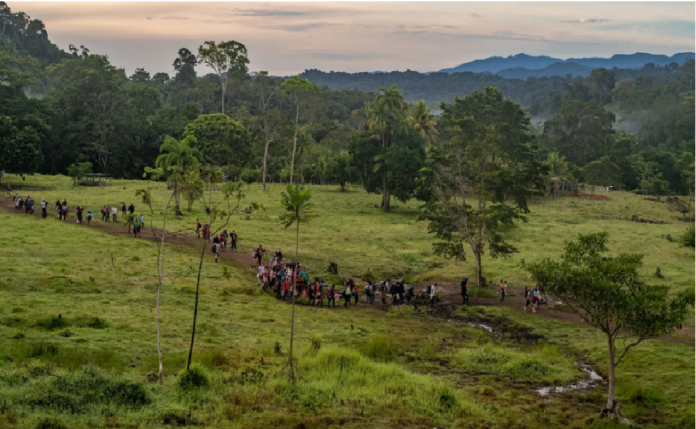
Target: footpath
448 292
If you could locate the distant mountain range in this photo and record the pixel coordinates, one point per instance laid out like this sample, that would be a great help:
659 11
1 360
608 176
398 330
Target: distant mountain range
522 66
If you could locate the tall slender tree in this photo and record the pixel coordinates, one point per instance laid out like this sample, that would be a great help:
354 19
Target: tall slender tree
227 59
299 89
298 209
266 88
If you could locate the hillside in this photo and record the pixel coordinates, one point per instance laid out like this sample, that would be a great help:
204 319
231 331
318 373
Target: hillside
555 69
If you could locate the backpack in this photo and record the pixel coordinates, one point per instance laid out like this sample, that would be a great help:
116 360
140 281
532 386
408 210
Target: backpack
213 248
427 290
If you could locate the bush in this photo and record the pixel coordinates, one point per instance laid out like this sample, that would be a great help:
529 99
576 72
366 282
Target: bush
191 379
687 239
75 393
52 323
19 336
91 322
639 395
379 348
50 424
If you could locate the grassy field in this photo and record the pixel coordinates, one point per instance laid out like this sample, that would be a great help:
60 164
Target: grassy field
93 365
351 230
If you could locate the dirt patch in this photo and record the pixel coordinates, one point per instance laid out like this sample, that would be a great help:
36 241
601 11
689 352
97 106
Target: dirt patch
591 197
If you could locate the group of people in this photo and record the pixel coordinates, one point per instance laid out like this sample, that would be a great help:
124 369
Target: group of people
219 241
23 204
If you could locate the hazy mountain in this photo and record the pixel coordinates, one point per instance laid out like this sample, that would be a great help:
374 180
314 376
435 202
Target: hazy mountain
516 63
495 64
555 69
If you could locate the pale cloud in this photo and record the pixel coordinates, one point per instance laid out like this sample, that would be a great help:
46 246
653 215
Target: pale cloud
289 37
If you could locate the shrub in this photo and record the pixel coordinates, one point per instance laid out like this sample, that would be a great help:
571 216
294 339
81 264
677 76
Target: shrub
379 348
191 379
52 323
18 336
315 339
639 395
447 399
687 238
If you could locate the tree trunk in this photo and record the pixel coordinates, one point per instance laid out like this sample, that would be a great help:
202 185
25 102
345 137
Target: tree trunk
294 291
177 210
265 158
477 253
198 283
224 89
610 383
688 207
294 143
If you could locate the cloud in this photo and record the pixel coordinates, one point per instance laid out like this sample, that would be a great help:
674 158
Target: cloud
475 15
586 21
149 17
444 26
674 28
299 27
266 12
176 17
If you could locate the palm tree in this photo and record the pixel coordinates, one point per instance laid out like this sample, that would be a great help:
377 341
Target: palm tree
176 158
387 118
298 209
558 169
421 118
299 88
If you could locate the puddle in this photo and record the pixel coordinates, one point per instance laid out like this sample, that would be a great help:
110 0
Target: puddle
580 385
482 326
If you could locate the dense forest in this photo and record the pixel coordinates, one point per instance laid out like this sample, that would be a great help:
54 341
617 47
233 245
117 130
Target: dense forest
71 112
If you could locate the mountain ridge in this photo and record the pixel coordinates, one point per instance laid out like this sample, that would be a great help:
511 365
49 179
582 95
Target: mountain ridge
498 64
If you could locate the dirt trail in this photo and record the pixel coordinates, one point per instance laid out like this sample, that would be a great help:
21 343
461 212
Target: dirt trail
449 292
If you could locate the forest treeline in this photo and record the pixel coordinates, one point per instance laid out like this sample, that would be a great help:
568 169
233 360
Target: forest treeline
66 109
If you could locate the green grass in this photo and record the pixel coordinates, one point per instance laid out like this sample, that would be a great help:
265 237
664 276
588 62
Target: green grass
400 369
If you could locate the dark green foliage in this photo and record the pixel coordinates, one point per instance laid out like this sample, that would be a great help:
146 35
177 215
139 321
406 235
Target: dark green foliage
90 322
76 392
220 139
192 379
687 238
50 424
52 323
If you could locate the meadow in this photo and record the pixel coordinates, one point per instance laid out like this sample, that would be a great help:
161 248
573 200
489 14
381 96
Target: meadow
78 337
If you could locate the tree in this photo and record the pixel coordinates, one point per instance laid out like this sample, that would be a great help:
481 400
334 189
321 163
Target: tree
602 172
421 118
580 131
78 170
607 293
20 152
220 139
184 57
227 59
489 163
193 188
176 159
140 76
299 89
266 88
298 209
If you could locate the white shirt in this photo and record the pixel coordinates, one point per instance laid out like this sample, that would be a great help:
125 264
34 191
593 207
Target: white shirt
432 290
114 210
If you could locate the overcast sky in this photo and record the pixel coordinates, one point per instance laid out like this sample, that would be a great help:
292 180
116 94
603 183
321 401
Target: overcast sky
288 37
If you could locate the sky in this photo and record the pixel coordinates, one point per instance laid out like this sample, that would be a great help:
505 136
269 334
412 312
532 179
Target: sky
286 38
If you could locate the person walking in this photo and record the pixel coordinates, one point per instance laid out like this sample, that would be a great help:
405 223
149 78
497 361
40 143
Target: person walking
90 216
345 293
142 220
131 208
233 241
103 213
503 287
198 229
44 203
354 293
114 213
320 293
123 209
225 236
64 210
465 292
331 296
79 214
107 212
259 254
216 247
432 294
9 191
259 275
